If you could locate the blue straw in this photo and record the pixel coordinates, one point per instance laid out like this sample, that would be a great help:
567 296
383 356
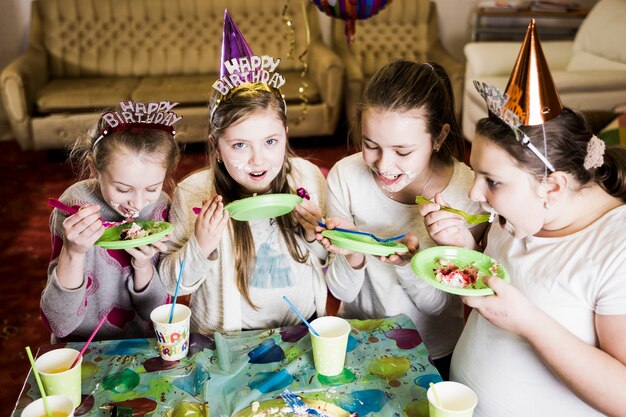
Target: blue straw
295 310
180 275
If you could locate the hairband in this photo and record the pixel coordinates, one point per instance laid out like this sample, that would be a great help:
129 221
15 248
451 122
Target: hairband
152 115
496 101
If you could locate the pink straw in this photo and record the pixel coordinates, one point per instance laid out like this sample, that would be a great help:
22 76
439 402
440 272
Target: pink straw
80 354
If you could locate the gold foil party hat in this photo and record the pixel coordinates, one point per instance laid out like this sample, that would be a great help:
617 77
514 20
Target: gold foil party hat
531 94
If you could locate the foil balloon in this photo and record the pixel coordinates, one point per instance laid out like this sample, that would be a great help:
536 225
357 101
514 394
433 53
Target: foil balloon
234 45
531 92
351 11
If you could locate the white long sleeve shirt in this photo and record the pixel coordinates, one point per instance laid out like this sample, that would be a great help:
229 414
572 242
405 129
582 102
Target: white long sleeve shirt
381 289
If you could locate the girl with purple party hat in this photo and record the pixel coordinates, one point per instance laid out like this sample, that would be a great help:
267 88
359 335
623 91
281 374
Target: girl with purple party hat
129 157
238 271
550 342
411 144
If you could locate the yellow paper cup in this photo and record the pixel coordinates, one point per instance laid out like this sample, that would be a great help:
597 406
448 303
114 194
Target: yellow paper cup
56 375
329 348
172 338
59 405
455 400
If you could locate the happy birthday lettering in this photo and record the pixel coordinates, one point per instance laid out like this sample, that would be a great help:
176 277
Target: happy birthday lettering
151 112
254 69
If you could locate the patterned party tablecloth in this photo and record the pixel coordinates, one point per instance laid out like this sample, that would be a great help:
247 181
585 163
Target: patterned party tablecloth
387 372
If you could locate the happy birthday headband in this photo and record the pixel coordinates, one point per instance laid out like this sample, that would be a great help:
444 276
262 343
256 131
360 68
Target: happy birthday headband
530 97
241 69
152 115
496 103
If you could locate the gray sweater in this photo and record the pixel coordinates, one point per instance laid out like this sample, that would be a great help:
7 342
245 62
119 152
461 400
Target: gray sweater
107 286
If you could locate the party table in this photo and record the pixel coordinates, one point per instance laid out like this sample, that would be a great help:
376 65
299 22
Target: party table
387 373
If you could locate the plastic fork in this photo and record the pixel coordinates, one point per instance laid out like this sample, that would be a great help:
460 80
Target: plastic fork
298 406
469 218
53 202
356 232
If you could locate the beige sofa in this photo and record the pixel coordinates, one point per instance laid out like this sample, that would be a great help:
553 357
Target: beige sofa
405 29
85 56
589 72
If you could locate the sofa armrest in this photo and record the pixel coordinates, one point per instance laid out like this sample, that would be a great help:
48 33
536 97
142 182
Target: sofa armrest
19 83
498 58
327 70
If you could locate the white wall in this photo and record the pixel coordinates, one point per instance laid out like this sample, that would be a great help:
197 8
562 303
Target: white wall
13 40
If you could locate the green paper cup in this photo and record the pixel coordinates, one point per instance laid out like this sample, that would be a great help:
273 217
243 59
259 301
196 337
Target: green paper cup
329 348
59 405
455 400
172 338
56 375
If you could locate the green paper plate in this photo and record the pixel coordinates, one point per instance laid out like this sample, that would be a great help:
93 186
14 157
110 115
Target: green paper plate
423 264
363 244
111 237
265 206
328 409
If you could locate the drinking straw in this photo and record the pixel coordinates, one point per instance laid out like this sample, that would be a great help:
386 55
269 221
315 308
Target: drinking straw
43 392
295 310
437 402
80 354
180 275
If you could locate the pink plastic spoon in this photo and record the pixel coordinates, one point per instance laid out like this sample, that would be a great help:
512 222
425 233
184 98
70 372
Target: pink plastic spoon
53 202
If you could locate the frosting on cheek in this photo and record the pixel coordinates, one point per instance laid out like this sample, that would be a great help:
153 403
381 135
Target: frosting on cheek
240 166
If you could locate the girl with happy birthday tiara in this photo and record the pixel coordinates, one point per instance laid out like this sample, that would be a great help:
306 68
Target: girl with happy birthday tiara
129 159
239 271
549 343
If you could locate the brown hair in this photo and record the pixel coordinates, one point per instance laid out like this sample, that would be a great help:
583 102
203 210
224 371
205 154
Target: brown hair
567 136
156 144
403 86
239 103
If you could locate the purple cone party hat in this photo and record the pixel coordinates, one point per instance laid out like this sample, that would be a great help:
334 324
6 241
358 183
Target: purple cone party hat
530 97
239 65
234 44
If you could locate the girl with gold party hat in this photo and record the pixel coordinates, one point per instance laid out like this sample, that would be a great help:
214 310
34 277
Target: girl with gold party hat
239 270
550 342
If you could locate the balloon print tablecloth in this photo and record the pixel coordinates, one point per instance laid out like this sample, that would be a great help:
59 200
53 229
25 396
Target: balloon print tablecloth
387 373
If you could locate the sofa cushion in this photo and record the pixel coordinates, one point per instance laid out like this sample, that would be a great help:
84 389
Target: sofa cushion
161 37
186 89
599 42
291 88
84 94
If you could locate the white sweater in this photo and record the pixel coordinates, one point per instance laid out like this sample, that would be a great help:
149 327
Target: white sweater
381 289
216 303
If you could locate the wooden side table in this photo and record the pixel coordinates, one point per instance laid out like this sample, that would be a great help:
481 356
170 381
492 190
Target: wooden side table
507 24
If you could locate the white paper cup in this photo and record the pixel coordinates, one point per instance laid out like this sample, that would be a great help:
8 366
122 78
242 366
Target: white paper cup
329 348
56 375
59 405
456 400
172 338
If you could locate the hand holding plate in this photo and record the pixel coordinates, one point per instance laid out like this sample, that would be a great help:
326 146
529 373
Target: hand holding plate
403 258
508 309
